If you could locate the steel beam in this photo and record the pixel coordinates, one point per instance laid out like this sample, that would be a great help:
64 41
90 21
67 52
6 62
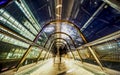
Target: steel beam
52 41
11 33
47 55
113 3
70 39
112 36
60 33
48 50
15 35
93 16
80 34
27 52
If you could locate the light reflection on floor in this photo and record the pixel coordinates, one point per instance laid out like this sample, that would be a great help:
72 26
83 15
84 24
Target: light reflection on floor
65 68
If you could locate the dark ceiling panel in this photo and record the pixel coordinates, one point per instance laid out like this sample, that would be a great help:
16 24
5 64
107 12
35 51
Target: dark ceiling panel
99 28
91 5
40 10
15 11
86 9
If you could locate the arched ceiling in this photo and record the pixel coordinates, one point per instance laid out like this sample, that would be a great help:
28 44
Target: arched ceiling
105 19
95 18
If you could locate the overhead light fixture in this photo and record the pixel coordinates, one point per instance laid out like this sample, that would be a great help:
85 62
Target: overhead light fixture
58 15
59 5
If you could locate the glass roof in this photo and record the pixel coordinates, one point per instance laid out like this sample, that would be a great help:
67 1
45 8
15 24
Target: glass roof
33 15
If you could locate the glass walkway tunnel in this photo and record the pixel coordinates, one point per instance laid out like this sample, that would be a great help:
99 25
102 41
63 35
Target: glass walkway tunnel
59 37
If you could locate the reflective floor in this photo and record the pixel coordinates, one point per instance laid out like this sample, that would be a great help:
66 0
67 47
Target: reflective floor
66 67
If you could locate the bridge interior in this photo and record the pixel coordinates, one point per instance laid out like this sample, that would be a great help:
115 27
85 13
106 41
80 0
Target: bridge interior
59 37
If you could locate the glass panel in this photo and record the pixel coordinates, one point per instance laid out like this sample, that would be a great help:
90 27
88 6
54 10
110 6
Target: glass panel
33 55
70 30
3 20
1 11
15 25
9 55
29 26
66 28
25 25
5 14
87 56
109 53
27 12
49 29
13 41
21 18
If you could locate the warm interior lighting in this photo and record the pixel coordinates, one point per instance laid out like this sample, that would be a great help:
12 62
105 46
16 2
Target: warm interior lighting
58 6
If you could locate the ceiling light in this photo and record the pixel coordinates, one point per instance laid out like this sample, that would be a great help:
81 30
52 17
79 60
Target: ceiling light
59 5
58 15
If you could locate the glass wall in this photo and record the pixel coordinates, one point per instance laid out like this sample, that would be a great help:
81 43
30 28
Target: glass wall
18 28
11 50
108 53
